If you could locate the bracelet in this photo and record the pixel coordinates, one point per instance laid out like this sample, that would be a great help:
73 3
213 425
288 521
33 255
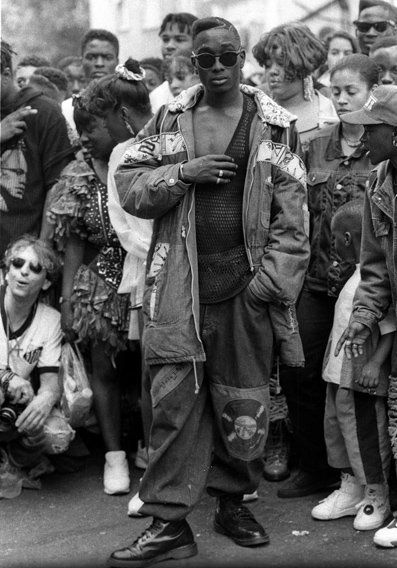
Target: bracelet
64 299
181 172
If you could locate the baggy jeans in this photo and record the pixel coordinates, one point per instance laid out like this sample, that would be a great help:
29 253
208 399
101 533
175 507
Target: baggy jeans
210 420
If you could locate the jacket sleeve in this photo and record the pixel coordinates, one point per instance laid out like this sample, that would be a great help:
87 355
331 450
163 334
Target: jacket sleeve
286 254
373 295
147 176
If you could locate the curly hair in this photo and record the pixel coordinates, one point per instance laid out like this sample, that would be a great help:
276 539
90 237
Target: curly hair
6 56
56 76
183 20
34 61
48 258
292 46
101 35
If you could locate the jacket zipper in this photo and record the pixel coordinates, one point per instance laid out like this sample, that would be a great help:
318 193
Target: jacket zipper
245 215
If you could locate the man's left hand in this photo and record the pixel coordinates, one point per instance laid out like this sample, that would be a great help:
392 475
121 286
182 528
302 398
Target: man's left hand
35 414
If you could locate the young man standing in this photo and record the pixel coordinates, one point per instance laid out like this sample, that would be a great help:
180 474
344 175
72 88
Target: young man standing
176 37
219 173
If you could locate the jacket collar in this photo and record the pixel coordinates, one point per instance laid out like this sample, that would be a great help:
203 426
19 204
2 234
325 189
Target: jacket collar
383 195
334 148
269 111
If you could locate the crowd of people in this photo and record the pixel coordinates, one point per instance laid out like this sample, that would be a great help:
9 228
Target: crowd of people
248 290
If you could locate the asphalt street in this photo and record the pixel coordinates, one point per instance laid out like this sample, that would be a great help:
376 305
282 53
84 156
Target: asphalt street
70 522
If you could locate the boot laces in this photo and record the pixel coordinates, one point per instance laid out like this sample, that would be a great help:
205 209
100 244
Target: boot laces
149 533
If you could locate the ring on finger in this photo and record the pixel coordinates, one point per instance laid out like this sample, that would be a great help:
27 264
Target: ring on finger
218 180
220 173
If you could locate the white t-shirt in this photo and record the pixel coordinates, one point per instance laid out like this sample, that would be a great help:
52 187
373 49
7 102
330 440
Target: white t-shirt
37 344
343 309
161 95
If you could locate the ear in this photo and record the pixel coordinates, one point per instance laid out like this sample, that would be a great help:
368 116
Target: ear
347 239
46 284
7 74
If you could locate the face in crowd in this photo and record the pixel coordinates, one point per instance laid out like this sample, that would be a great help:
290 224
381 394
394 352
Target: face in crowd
26 276
96 139
173 41
349 91
339 47
99 59
23 74
386 60
218 59
76 78
372 23
181 76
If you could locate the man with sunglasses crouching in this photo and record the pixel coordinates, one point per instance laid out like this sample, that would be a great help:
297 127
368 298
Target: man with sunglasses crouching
219 171
30 342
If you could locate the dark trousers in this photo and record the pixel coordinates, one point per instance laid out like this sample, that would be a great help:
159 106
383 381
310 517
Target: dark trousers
225 418
304 387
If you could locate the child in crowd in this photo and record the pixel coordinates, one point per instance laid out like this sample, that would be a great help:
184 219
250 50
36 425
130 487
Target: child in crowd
355 422
181 73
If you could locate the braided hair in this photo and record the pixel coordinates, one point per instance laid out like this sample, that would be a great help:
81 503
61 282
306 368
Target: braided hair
292 46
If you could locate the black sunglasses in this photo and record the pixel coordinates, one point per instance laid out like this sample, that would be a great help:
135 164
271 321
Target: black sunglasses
207 60
19 262
378 26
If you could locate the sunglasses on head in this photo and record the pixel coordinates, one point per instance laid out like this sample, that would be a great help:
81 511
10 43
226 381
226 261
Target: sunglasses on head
20 262
378 26
207 60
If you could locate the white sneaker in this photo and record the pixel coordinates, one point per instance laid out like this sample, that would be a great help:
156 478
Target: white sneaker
134 506
248 497
373 509
116 475
141 457
387 536
341 502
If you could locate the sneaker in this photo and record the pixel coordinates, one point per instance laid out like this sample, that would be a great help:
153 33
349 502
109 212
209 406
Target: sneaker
305 483
248 497
141 457
161 541
276 452
374 509
387 537
116 475
342 502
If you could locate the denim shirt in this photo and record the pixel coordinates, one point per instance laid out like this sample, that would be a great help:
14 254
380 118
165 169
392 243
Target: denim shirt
333 179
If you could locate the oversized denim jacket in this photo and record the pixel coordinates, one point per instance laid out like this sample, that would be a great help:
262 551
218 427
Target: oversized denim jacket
378 260
332 180
275 226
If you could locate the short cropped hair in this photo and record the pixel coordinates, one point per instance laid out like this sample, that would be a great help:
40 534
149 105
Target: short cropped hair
56 76
34 61
183 20
349 216
69 60
101 35
383 42
44 85
48 258
205 24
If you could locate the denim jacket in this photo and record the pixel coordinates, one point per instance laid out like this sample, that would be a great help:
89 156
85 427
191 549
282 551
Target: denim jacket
378 260
333 179
274 225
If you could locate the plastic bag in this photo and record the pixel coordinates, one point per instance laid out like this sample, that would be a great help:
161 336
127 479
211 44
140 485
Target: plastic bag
58 432
76 401
10 478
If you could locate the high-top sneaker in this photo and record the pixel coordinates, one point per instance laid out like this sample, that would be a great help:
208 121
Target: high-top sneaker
341 502
387 537
374 509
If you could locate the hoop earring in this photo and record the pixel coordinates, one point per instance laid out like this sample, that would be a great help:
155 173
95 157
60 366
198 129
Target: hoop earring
394 142
308 88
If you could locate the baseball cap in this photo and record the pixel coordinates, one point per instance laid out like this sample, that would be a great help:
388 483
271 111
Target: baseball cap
380 108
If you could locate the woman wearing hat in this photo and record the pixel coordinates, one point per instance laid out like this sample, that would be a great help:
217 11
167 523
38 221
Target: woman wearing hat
378 286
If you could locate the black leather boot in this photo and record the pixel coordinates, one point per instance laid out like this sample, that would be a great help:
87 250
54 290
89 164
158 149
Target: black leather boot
161 541
236 521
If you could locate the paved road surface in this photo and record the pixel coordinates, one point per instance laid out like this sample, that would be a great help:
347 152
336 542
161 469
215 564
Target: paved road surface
71 523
